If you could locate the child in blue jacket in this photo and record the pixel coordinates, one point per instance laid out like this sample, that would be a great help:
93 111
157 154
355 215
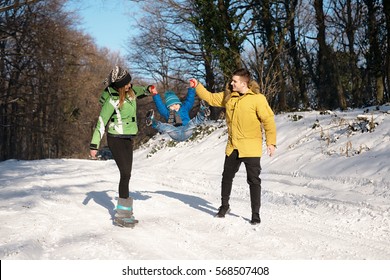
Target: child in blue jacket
179 126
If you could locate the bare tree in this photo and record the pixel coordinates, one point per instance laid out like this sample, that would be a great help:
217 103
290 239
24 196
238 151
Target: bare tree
386 10
329 89
347 23
10 5
48 72
374 55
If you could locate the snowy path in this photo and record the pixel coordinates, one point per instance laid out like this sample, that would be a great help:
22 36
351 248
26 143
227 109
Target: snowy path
60 220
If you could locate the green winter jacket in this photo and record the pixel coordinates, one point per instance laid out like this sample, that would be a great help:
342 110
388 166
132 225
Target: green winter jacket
122 122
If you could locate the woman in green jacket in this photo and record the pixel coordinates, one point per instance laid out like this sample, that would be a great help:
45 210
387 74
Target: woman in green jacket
119 109
247 113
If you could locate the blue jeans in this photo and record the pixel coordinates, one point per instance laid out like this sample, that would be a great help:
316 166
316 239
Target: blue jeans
180 133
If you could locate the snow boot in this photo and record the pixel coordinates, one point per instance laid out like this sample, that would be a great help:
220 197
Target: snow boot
149 117
204 108
222 211
124 213
255 219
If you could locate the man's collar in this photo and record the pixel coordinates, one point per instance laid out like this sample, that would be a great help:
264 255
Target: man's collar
237 94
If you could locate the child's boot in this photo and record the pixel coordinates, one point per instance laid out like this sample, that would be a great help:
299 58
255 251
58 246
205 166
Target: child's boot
149 117
204 108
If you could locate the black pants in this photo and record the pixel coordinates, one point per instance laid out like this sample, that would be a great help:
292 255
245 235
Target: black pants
122 151
231 166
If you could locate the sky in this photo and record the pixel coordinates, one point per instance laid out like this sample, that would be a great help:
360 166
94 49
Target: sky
325 207
107 21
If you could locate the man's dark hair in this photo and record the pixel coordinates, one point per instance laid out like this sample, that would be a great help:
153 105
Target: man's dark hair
243 73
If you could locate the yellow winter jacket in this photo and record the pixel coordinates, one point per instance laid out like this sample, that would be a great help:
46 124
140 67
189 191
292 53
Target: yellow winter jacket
246 115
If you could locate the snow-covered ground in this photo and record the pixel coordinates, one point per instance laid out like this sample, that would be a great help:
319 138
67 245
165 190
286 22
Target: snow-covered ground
325 196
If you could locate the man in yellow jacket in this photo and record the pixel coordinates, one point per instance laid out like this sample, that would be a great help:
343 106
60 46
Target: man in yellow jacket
247 114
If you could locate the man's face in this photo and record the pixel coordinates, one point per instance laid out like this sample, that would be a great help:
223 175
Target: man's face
237 84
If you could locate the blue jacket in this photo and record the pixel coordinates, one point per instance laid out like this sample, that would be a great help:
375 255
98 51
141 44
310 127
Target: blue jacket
185 108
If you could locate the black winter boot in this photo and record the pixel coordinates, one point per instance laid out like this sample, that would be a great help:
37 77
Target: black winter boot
222 211
255 219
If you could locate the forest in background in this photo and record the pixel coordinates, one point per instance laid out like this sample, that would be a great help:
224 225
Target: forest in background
305 54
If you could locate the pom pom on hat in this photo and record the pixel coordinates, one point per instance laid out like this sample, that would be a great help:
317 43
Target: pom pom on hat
171 99
117 78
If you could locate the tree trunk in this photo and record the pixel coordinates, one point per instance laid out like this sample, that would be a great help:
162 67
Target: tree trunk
298 73
330 93
386 9
230 55
375 56
275 55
